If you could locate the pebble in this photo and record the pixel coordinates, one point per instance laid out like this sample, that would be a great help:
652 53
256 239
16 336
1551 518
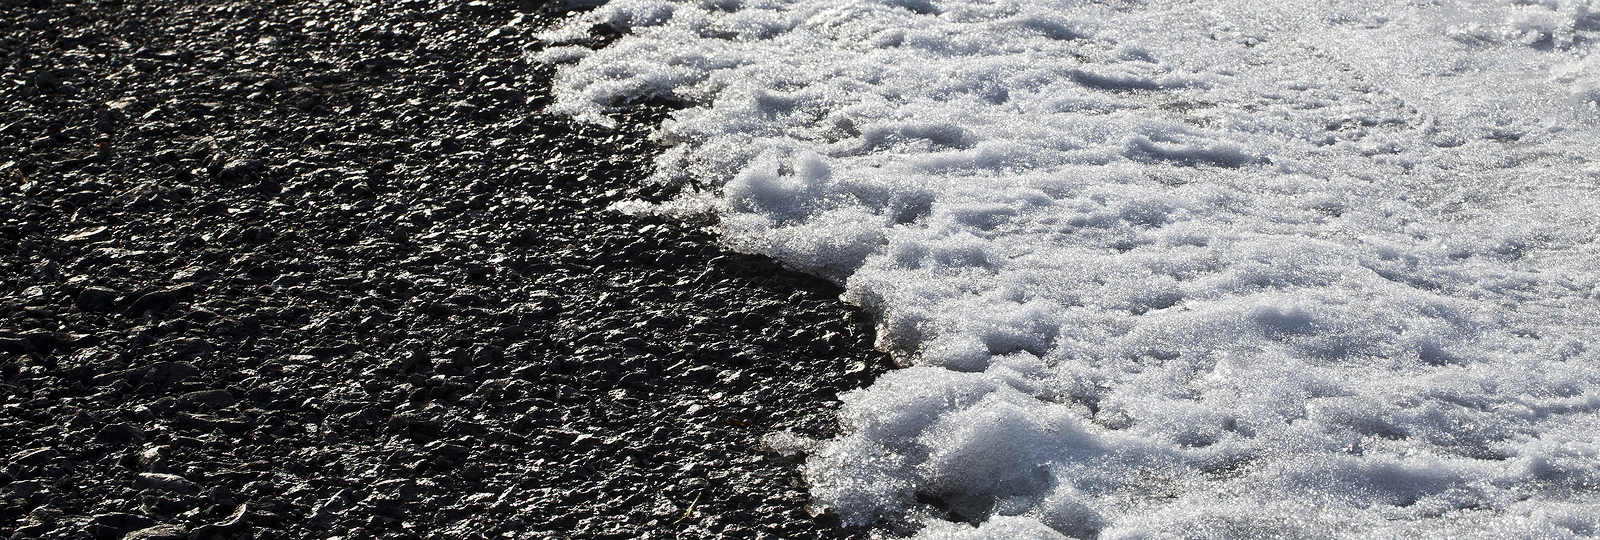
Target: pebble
114 525
119 434
96 299
169 483
158 532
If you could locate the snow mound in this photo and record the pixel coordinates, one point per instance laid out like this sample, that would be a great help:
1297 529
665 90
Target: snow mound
1216 268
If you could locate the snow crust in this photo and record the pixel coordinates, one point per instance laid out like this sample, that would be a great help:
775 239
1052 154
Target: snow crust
1217 268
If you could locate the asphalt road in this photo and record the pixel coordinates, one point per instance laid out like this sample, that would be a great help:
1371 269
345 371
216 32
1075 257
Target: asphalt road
325 269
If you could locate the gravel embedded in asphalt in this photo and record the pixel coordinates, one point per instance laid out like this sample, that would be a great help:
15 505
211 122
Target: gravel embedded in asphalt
319 269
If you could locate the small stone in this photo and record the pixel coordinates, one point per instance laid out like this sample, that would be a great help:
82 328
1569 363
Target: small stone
154 459
113 525
235 521
96 299
95 234
158 532
15 345
700 374
529 372
326 351
164 373
170 483
238 168
215 399
155 301
202 316
205 423
22 490
45 342
37 456
119 434
213 208
219 494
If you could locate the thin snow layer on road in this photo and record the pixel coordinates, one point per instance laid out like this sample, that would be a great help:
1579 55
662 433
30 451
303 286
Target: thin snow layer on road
1218 268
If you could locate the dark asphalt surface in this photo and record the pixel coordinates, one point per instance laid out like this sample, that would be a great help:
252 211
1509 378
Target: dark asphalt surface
325 269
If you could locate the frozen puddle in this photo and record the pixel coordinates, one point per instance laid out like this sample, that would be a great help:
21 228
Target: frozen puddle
1213 269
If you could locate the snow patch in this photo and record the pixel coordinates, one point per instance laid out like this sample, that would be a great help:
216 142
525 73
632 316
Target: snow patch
1219 268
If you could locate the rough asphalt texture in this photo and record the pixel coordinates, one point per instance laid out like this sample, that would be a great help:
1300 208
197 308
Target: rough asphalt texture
324 269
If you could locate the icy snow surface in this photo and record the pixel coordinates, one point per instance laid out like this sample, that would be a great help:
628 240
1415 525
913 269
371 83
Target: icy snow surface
1220 268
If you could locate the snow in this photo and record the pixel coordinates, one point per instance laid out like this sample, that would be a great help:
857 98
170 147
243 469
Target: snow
1215 268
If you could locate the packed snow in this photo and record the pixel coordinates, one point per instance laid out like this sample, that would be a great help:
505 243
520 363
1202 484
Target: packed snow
1217 268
